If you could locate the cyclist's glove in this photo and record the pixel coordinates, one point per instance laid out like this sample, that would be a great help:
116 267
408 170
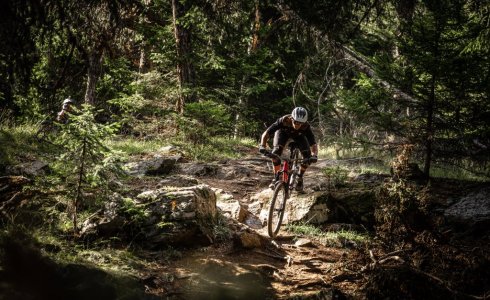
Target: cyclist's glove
313 159
262 149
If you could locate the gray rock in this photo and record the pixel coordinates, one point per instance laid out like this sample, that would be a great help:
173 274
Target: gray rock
29 169
303 243
166 216
321 206
200 170
157 165
474 207
178 181
178 215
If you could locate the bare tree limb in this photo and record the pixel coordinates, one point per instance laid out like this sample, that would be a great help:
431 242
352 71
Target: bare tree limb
343 52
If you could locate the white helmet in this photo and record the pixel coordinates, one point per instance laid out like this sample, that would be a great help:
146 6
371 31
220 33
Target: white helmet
300 114
68 101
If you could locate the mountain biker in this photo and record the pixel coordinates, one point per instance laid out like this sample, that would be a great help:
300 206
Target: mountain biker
291 127
62 116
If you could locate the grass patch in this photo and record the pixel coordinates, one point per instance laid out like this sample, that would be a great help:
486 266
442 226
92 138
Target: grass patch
373 169
336 176
17 139
57 247
217 148
333 152
452 172
132 146
340 238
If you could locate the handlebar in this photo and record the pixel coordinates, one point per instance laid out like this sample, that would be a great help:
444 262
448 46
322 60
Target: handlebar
275 156
271 155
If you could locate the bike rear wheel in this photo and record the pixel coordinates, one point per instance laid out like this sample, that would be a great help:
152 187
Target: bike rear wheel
276 209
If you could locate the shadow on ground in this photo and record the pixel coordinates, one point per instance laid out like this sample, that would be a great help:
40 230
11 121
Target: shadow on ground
28 275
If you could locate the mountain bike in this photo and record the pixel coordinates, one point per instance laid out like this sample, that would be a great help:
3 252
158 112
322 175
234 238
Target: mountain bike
283 188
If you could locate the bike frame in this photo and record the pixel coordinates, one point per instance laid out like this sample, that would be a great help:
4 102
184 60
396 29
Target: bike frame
285 171
287 175
287 168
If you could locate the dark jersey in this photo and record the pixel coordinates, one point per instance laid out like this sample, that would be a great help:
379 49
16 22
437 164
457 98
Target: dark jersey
285 123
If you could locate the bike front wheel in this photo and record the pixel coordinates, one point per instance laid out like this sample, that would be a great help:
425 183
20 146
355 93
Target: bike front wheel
276 209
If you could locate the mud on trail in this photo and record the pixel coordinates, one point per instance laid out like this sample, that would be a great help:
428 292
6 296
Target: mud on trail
438 259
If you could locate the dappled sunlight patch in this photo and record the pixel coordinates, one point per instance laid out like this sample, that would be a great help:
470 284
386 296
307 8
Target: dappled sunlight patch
341 238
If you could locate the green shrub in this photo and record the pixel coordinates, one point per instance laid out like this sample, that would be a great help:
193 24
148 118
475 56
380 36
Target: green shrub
203 120
336 177
85 162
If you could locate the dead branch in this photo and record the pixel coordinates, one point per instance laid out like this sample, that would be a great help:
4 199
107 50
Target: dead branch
446 285
391 256
377 262
13 201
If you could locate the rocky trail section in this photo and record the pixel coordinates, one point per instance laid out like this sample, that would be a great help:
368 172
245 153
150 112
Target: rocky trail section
253 266
201 227
250 265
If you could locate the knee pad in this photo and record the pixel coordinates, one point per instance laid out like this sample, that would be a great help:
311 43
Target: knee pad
277 150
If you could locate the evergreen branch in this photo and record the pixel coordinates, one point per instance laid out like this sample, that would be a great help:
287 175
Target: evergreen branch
342 52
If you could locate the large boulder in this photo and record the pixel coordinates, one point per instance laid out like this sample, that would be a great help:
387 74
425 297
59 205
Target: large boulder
158 218
198 169
108 223
177 181
341 206
178 216
471 208
28 169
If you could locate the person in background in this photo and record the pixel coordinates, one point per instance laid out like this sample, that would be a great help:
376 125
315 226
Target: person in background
62 116
294 127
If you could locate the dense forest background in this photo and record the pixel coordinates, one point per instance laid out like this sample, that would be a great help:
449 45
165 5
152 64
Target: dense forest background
374 74
155 188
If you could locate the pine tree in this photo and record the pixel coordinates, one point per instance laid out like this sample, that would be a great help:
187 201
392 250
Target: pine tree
85 162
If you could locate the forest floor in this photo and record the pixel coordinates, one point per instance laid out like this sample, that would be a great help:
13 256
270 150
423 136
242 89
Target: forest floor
423 256
438 260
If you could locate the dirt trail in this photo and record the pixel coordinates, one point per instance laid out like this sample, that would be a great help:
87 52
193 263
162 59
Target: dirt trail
438 262
278 271
226 272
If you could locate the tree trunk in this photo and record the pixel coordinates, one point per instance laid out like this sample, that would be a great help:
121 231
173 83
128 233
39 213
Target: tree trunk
78 195
93 75
430 131
242 101
429 127
185 69
8 93
143 60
